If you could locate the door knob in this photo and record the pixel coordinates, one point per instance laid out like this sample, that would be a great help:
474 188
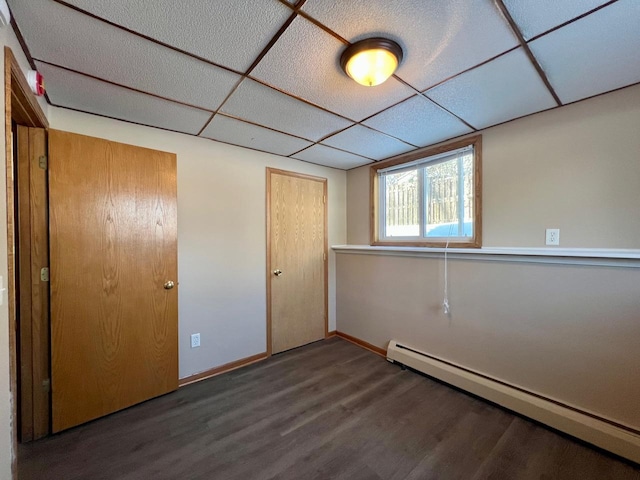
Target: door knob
277 273
169 285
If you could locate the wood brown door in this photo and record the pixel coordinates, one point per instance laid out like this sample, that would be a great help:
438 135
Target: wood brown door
33 292
297 259
114 327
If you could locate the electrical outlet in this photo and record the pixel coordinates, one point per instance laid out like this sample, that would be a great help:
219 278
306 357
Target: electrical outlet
553 236
195 340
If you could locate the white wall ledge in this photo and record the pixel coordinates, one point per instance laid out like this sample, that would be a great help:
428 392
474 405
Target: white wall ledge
601 257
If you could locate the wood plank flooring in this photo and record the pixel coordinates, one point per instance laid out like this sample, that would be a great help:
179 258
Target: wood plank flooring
330 410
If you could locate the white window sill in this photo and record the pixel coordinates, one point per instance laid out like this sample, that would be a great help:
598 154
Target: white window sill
567 256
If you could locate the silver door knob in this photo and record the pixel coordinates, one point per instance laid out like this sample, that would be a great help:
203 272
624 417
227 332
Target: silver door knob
277 273
169 285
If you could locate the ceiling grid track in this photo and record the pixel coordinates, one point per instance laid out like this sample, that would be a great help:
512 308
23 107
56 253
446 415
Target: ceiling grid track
569 22
543 76
451 114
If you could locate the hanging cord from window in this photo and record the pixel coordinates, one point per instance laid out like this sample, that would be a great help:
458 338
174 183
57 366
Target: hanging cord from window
445 303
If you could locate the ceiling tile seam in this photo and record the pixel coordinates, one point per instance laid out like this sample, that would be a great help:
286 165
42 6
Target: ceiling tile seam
480 131
321 165
190 135
301 99
126 87
245 75
322 26
449 112
241 146
299 4
271 43
569 22
146 37
432 145
534 61
121 119
441 82
235 87
435 103
249 122
373 130
335 148
345 151
354 122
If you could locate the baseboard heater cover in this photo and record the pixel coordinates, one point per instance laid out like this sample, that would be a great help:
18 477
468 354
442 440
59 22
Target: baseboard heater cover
584 426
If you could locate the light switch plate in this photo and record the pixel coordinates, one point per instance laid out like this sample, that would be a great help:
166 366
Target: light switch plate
195 340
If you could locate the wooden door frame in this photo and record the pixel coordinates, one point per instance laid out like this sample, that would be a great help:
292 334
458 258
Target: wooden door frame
325 246
20 105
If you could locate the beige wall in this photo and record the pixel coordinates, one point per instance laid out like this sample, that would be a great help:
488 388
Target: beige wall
221 235
576 168
7 38
569 332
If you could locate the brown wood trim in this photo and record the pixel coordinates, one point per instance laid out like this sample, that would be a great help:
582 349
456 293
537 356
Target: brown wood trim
332 333
269 171
476 242
20 104
361 343
23 267
534 61
326 257
227 367
24 107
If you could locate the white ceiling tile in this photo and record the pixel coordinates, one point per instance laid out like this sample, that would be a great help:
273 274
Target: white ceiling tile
266 106
503 89
306 62
72 90
330 157
418 121
440 38
534 18
369 143
244 134
132 61
595 54
228 32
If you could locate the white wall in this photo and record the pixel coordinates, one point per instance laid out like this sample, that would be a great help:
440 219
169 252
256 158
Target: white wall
221 235
7 38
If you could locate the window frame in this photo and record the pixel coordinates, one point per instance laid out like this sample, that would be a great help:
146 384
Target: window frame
375 202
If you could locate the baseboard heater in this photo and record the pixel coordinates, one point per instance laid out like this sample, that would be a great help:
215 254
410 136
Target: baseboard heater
606 434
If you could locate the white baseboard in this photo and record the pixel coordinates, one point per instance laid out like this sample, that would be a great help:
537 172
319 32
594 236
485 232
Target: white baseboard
584 426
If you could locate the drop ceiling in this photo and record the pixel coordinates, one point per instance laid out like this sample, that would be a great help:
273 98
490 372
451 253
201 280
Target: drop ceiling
265 74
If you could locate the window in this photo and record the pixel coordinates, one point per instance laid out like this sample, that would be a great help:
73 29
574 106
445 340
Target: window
430 197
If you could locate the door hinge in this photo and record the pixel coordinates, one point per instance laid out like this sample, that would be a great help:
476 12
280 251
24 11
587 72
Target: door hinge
324 199
46 385
42 162
44 274
324 257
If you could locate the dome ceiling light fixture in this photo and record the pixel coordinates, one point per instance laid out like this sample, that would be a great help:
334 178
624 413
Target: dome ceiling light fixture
371 61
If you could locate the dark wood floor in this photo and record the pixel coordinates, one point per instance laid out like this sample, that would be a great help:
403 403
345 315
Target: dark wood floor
330 410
